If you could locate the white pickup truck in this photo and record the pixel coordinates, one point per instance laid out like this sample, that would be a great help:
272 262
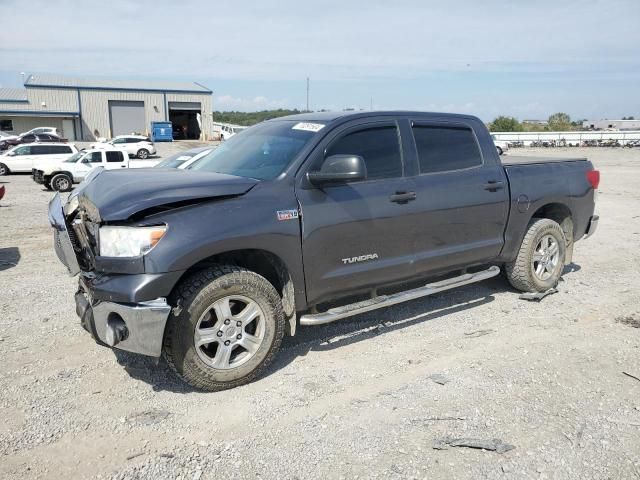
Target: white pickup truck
61 176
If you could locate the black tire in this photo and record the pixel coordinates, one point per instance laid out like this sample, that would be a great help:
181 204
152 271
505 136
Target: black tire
521 273
500 152
4 170
143 154
194 296
62 182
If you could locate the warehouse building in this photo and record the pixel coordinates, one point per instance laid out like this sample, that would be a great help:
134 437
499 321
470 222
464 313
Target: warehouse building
611 124
88 108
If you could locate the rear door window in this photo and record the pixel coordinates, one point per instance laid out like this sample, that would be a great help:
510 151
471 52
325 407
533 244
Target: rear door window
115 157
41 150
378 146
446 148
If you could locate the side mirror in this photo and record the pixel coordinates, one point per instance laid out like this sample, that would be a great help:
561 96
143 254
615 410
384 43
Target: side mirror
339 169
11 154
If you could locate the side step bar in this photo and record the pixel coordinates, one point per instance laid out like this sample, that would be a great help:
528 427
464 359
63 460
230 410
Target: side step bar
382 301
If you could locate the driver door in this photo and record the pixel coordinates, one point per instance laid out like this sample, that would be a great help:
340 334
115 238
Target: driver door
22 159
353 234
88 163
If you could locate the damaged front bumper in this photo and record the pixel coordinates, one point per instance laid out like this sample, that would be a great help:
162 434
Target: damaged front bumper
136 327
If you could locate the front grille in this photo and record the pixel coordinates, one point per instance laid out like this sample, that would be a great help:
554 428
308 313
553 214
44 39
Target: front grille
74 240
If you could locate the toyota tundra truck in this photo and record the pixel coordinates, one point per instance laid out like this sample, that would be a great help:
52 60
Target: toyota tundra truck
305 220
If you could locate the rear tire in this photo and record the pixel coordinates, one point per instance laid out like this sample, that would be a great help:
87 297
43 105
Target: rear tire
61 182
500 152
540 260
214 311
143 154
4 170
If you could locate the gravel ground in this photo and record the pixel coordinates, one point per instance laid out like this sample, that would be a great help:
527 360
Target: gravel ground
366 398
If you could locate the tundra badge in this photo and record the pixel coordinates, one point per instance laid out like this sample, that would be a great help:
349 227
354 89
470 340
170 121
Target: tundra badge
361 258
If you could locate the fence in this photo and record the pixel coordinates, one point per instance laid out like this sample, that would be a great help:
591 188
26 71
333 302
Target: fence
571 137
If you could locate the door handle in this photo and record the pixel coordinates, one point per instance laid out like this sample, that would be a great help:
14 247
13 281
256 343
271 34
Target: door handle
402 197
493 185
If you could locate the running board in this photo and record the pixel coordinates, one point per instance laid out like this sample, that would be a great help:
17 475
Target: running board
382 301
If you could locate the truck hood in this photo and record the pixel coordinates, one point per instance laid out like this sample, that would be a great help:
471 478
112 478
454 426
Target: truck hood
114 195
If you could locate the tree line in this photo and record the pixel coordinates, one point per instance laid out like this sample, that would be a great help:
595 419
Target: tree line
251 118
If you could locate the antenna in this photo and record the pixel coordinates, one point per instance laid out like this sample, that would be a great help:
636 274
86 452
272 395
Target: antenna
307 94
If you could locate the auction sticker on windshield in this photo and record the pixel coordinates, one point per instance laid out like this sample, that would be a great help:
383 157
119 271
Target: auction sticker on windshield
308 127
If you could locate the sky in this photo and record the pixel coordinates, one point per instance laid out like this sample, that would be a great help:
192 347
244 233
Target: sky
526 59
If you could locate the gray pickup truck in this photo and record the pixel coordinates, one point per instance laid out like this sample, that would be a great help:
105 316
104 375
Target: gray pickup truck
306 220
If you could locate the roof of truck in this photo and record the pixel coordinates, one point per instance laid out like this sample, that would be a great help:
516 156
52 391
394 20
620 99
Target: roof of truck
331 116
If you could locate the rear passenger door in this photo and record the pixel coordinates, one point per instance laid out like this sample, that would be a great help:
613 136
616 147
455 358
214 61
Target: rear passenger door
353 233
462 198
115 160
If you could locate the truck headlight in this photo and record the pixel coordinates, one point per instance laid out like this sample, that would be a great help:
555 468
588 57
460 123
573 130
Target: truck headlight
129 241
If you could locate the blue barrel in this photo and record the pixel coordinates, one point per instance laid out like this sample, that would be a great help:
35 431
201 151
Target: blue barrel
161 132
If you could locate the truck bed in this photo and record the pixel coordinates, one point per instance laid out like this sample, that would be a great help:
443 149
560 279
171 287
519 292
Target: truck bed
524 160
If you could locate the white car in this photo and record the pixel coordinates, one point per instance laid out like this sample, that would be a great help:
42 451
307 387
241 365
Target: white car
39 130
184 159
22 158
61 176
501 145
135 145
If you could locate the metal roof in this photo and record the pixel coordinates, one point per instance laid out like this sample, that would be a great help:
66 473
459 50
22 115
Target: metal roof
92 83
13 95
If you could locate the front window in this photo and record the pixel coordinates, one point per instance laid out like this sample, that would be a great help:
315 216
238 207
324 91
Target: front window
93 157
26 150
74 158
261 152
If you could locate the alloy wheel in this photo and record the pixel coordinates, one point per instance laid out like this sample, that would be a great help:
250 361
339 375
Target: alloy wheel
229 332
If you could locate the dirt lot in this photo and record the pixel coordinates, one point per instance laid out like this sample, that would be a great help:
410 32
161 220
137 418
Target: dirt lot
355 399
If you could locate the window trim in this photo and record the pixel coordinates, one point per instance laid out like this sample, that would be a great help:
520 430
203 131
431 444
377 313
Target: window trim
444 124
341 133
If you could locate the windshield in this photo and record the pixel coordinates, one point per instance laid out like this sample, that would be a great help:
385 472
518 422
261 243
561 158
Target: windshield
261 152
74 158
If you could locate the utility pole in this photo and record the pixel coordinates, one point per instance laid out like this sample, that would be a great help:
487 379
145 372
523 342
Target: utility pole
307 94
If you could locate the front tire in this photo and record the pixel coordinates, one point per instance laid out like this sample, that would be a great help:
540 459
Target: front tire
62 182
500 152
540 260
226 328
143 154
4 170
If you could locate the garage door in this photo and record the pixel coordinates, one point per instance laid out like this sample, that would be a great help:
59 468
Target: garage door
126 117
184 106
